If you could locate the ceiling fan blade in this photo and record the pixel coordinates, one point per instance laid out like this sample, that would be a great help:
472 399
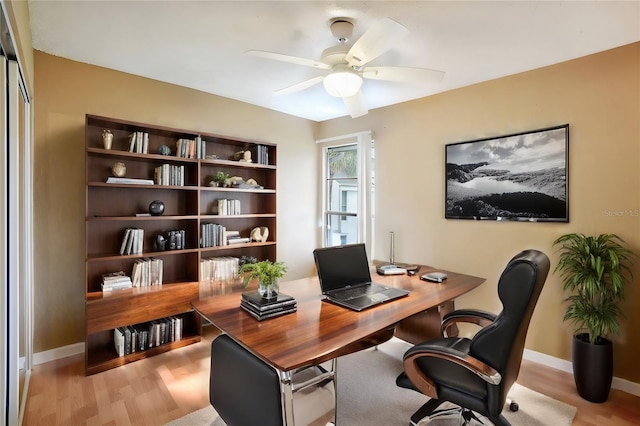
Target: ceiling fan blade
355 105
403 74
299 86
380 37
287 58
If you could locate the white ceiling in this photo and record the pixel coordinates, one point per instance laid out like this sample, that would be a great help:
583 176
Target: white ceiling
201 44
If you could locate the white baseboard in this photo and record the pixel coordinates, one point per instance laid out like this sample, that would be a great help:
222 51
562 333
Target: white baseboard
58 353
544 359
548 360
564 365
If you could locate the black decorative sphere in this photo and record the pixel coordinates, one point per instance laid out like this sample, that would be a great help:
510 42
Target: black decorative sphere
156 208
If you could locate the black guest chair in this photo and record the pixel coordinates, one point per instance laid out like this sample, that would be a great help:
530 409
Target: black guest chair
238 376
476 374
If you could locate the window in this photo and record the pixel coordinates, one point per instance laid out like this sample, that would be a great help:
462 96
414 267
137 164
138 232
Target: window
347 190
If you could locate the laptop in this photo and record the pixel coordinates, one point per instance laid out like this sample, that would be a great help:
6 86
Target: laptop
345 278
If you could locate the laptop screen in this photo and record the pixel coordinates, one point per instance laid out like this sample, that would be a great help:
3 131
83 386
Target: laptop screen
342 266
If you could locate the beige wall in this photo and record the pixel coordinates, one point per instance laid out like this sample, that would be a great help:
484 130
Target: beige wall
599 96
64 92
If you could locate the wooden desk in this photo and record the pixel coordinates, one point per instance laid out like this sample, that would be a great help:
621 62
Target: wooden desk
320 331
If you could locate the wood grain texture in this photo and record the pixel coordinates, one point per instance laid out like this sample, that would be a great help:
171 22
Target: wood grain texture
319 331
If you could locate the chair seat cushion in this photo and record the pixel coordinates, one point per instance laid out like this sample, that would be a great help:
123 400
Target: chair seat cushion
450 378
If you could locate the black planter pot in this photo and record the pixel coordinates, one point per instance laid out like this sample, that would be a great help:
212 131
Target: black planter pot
592 367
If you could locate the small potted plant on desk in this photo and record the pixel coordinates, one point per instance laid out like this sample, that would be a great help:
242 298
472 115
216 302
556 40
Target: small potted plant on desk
267 272
595 271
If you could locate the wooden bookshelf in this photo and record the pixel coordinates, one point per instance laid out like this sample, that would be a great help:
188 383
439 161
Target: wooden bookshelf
111 208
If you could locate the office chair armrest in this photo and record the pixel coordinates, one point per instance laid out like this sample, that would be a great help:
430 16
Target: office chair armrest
473 316
426 385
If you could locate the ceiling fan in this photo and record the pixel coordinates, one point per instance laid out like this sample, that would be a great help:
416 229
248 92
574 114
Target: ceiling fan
347 63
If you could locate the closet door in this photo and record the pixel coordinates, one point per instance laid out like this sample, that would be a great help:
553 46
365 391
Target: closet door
17 237
4 247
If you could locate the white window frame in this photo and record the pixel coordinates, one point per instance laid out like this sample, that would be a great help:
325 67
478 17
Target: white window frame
365 215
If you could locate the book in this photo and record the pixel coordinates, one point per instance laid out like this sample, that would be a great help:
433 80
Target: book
116 286
129 181
118 340
256 299
125 240
238 240
260 317
265 310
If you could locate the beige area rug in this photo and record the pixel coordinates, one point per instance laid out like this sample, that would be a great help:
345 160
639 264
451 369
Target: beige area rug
368 395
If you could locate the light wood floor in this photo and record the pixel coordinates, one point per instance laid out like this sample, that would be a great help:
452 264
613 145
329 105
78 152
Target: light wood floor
168 386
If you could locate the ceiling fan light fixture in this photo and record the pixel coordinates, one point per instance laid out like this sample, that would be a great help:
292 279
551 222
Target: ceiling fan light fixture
342 83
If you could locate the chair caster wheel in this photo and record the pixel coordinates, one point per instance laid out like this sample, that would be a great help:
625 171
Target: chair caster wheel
514 406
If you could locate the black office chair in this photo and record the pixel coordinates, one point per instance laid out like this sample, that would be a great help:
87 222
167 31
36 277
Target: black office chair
238 376
476 374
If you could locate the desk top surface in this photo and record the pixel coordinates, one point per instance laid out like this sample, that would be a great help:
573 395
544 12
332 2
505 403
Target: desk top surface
319 331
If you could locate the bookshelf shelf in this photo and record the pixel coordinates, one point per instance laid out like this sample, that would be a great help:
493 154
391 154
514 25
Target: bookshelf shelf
111 208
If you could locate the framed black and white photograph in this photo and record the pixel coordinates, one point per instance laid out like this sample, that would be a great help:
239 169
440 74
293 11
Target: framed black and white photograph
522 177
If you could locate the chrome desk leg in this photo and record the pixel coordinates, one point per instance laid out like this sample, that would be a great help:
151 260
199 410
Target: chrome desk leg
286 393
293 381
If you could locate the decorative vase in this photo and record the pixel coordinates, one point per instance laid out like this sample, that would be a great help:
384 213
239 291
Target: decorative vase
160 242
164 150
107 138
156 208
592 367
119 169
268 291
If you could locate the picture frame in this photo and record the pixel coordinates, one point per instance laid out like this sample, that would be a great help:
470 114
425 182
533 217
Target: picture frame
516 177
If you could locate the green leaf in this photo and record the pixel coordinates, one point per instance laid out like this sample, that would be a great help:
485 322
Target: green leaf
595 271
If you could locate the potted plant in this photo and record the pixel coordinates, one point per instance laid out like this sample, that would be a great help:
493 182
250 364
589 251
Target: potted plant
267 272
219 178
595 270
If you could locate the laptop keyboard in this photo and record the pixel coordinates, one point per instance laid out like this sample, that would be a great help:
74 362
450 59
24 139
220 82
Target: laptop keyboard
352 293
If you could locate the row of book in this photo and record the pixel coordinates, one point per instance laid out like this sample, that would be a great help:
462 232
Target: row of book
146 272
169 174
225 207
139 142
132 242
212 235
223 268
255 305
260 154
133 338
176 239
115 281
191 148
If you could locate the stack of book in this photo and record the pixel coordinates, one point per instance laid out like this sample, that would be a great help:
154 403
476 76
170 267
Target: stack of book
116 281
129 181
261 309
233 237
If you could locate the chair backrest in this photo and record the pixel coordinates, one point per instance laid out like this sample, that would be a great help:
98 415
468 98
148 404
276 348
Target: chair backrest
501 344
242 388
